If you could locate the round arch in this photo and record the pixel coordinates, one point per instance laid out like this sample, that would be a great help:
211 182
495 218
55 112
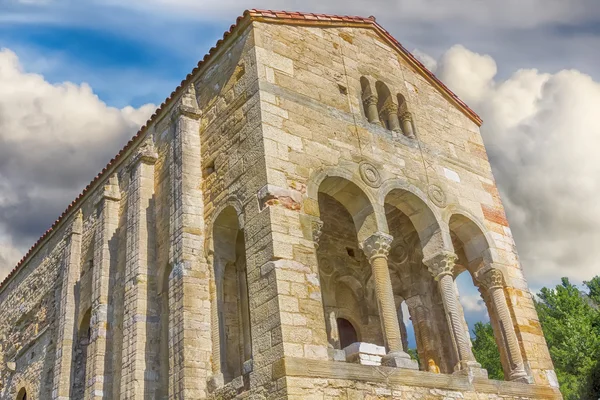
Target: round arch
368 215
477 245
433 233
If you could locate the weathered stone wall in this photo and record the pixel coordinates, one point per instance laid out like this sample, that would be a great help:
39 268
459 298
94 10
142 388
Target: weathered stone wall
121 299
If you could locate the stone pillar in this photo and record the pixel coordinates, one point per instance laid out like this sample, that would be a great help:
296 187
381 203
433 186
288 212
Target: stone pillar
407 125
371 112
189 281
390 114
98 365
376 247
441 266
140 370
491 280
71 269
423 336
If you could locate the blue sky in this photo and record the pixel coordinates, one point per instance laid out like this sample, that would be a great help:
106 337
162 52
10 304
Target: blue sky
530 67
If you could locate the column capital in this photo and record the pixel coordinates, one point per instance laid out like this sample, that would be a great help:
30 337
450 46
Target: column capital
441 264
317 231
406 116
491 278
377 245
389 108
370 100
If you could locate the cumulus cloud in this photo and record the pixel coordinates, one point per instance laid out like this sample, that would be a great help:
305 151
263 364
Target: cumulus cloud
54 138
542 133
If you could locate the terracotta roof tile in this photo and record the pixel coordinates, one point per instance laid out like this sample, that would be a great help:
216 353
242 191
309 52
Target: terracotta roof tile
252 13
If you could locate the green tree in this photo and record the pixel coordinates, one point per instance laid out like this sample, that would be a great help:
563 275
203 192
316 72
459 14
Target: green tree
486 351
571 323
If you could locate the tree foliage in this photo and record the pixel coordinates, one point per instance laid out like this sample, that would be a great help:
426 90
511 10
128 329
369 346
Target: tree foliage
570 320
571 323
486 351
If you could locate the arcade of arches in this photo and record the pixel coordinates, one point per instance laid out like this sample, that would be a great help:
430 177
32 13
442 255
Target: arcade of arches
368 268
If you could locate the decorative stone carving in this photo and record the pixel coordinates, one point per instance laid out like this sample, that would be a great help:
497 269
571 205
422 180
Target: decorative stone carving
491 279
441 264
377 246
436 195
369 174
389 112
370 103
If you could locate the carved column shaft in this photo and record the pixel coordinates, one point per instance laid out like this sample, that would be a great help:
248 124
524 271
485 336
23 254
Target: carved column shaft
493 282
140 321
441 267
370 103
390 113
377 248
66 321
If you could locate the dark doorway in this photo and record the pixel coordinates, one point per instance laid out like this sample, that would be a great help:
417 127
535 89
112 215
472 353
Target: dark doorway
347 332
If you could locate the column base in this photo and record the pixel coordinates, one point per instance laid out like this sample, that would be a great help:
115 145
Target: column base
399 359
520 376
472 369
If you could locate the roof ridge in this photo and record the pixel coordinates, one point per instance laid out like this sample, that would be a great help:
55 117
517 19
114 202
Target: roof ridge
251 13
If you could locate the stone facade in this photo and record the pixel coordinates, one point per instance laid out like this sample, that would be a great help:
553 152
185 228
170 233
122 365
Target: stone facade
259 237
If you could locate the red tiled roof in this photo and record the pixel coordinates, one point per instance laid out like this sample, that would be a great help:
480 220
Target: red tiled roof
284 17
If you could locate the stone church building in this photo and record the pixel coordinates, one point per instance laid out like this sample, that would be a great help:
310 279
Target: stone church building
308 188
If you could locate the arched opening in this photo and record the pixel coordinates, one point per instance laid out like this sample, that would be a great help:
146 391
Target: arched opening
406 119
413 227
369 100
347 332
22 395
233 314
345 273
385 104
79 364
165 312
482 295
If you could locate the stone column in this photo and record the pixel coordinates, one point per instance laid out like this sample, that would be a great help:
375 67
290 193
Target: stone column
376 247
98 365
190 340
370 103
407 125
423 336
441 266
390 113
139 378
66 334
491 280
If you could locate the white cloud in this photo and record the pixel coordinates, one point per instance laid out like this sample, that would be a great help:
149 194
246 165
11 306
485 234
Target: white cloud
54 138
542 133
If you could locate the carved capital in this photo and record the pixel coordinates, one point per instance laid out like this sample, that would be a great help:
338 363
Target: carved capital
370 100
377 245
441 264
406 116
491 279
388 109
317 231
